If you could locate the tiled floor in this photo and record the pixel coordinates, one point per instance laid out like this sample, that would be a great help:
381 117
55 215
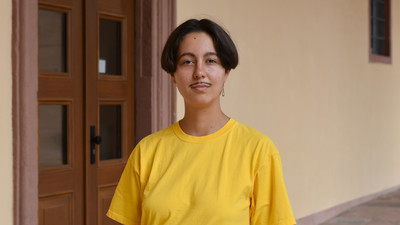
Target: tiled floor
384 210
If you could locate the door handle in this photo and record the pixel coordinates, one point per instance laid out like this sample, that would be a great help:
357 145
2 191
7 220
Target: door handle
93 141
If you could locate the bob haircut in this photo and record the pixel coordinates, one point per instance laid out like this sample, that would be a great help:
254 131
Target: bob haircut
223 44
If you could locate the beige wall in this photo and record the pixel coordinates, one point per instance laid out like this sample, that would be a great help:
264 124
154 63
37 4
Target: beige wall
305 80
6 159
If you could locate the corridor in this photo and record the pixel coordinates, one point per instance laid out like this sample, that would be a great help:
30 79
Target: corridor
384 210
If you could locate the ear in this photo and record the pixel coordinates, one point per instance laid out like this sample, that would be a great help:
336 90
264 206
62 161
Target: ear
227 74
173 78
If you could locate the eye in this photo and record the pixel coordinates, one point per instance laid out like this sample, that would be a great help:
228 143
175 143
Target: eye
187 62
211 61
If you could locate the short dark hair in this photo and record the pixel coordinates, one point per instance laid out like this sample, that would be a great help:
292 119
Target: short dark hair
223 44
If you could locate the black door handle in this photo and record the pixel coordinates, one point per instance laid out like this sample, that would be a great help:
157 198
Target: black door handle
93 141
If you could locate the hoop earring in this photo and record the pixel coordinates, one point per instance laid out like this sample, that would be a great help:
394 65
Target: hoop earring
223 91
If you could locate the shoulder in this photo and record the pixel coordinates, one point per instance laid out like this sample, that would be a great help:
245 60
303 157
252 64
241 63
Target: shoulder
245 129
257 147
149 145
251 136
158 136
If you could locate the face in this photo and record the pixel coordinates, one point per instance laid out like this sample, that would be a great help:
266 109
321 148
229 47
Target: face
199 74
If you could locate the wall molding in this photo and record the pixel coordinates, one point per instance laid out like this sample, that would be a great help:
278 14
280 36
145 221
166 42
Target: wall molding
25 110
324 215
155 19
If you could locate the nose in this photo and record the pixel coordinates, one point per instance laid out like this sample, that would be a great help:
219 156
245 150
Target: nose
199 71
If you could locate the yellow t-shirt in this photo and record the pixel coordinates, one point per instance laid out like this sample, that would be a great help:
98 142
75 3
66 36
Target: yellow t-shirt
231 177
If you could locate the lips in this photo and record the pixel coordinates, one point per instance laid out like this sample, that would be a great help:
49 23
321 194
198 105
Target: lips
200 85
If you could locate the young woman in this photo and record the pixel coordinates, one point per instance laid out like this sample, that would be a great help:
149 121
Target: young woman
206 169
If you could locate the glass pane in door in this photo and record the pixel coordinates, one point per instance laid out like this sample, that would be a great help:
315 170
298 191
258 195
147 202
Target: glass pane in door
110 47
53 143
52 41
110 132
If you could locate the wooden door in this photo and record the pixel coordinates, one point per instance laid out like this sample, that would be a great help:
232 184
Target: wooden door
109 99
85 93
61 120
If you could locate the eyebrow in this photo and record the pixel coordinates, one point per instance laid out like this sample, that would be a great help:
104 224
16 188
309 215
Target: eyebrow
192 55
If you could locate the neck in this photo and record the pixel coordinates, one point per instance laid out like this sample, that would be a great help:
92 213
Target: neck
204 121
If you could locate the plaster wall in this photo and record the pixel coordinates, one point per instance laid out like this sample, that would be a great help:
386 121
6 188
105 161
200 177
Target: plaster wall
6 159
304 79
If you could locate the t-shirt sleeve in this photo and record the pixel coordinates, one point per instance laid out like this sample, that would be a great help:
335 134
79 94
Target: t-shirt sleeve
270 203
126 204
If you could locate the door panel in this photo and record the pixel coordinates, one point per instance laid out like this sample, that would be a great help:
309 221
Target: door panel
85 80
109 60
53 51
56 209
60 98
105 197
54 135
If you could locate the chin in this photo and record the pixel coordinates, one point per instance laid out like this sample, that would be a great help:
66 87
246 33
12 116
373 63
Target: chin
200 103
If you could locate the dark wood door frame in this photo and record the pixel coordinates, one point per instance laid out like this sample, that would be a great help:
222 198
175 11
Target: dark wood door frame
154 93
